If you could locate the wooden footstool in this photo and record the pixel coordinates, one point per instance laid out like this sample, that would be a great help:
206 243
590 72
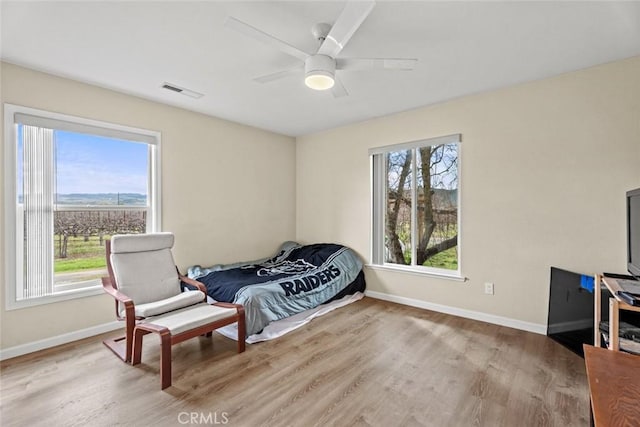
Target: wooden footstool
180 325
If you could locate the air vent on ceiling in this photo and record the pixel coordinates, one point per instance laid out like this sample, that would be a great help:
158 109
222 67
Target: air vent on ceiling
181 90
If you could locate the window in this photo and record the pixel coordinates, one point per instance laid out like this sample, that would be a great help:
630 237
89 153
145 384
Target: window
416 205
71 183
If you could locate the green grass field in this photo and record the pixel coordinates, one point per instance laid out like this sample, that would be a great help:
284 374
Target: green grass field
447 259
77 264
81 255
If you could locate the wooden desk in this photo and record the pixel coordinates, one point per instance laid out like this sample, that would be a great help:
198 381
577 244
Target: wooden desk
615 305
614 386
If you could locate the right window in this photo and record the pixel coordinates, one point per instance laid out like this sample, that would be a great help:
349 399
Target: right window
416 205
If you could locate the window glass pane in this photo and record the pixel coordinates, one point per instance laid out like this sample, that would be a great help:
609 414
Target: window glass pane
398 204
415 212
94 172
437 210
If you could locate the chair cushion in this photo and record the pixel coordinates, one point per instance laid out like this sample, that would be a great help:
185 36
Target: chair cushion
143 266
176 302
188 318
146 276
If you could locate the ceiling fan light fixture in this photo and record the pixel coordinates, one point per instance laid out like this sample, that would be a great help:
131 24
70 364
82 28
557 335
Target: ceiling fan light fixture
319 72
319 80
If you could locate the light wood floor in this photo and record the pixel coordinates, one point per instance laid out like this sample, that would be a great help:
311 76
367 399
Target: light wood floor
372 363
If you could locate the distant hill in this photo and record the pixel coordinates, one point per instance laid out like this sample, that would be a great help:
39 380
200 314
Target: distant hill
94 199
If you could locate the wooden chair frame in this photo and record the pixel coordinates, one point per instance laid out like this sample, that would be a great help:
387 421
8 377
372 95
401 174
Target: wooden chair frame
123 346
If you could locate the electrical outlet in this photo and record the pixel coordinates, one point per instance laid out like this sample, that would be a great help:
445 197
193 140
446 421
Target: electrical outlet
488 288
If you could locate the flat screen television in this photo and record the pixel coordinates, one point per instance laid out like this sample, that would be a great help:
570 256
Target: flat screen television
633 232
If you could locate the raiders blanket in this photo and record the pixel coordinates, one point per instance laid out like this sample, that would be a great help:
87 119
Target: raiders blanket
296 279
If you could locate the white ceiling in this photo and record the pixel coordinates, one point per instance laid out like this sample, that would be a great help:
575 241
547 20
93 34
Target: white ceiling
461 47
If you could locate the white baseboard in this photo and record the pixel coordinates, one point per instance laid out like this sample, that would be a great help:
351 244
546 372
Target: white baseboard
570 326
31 347
469 314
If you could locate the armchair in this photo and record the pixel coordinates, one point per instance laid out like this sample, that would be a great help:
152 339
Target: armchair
148 297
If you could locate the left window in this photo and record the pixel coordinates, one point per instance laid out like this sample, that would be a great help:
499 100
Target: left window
71 183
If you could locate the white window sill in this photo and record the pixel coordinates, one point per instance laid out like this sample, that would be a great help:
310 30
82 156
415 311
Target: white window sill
56 297
420 271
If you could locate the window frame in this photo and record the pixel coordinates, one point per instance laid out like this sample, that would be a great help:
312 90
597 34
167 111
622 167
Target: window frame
74 124
377 157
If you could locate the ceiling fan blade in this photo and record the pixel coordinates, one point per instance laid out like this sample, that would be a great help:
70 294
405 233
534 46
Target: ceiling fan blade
260 35
338 89
375 63
353 15
279 75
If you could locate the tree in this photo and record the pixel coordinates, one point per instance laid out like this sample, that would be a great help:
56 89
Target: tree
396 197
65 224
88 223
436 179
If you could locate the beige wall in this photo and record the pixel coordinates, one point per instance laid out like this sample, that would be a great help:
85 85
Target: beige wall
544 169
545 166
228 190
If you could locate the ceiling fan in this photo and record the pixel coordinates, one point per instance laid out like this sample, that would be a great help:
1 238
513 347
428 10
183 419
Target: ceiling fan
320 67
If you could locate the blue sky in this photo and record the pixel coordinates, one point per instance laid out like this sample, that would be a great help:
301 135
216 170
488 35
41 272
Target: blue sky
94 164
